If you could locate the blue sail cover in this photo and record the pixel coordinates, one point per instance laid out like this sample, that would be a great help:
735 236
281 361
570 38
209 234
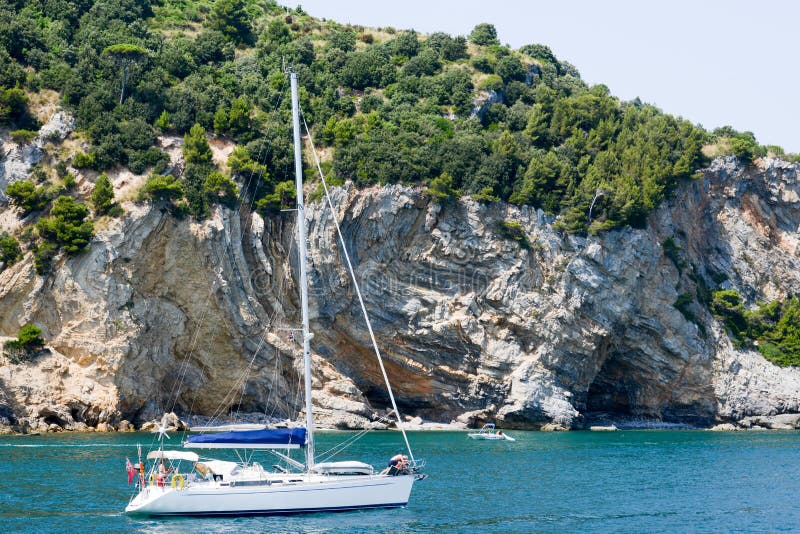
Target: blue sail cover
278 438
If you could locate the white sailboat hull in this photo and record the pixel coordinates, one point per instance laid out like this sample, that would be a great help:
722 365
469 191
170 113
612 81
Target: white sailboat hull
316 494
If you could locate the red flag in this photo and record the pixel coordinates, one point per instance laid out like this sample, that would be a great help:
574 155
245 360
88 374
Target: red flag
130 470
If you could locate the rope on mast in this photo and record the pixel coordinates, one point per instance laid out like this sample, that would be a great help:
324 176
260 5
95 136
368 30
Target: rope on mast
358 292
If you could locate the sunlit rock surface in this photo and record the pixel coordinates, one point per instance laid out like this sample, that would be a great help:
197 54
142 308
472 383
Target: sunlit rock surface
164 315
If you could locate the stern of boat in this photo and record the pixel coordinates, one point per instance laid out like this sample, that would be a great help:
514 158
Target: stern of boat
143 503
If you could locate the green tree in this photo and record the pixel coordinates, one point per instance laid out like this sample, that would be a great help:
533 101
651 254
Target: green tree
195 146
194 179
230 18
239 118
727 305
510 68
29 336
406 44
486 196
67 225
161 188
546 182
26 195
484 34
221 188
43 254
9 249
12 104
539 51
441 189
370 68
162 123
342 39
283 196
27 344
103 195
125 55
276 34
242 163
221 121
781 342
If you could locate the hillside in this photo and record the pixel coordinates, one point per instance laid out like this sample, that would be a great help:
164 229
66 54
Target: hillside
536 250
467 115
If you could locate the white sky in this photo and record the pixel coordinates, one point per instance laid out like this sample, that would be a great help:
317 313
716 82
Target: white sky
714 62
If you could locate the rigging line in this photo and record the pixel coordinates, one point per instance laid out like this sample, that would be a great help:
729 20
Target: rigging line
231 393
267 403
299 390
246 373
358 292
336 449
286 412
221 407
184 366
242 195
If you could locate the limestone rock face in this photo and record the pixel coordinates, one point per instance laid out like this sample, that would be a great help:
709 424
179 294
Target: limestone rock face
17 160
163 315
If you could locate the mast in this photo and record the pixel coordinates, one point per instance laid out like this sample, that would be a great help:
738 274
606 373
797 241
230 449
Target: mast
302 254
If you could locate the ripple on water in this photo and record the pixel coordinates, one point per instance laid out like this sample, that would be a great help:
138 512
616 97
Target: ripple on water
549 482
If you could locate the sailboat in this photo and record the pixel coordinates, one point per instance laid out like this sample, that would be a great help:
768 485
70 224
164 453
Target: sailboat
217 487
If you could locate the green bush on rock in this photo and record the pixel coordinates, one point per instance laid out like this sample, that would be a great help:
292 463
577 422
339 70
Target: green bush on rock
27 344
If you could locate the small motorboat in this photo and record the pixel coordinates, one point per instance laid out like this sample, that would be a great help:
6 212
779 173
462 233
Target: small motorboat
488 432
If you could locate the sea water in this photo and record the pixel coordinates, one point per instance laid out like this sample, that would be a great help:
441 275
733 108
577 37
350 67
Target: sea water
627 481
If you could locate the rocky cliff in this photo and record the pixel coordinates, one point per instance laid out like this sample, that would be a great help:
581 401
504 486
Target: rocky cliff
552 330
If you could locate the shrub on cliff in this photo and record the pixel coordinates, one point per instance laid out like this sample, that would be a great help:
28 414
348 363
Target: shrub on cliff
161 188
102 195
12 104
27 344
220 188
23 137
67 226
26 195
514 231
282 197
441 189
773 328
43 254
9 249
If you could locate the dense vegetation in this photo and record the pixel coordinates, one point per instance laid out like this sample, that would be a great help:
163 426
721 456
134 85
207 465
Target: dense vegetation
394 106
773 328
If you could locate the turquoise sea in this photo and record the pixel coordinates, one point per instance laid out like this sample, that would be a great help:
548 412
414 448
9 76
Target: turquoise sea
628 481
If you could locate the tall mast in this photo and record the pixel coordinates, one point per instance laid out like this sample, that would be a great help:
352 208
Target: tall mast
302 254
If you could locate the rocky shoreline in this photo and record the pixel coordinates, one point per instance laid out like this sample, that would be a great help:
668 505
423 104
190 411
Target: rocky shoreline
173 423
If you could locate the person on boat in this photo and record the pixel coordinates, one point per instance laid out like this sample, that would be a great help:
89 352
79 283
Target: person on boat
499 432
398 465
161 476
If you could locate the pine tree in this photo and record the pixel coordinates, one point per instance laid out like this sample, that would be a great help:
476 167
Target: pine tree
103 195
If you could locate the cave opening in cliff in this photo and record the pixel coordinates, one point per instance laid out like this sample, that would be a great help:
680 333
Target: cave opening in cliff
614 389
378 399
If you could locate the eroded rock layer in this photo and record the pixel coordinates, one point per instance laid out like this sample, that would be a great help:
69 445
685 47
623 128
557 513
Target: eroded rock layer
172 315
